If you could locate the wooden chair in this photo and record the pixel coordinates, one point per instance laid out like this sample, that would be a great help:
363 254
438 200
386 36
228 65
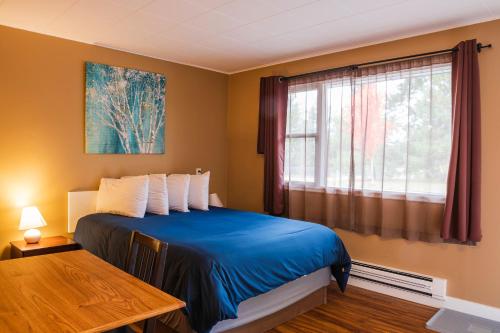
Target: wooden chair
146 261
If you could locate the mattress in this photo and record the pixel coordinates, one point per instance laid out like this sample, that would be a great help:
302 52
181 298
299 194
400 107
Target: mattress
260 306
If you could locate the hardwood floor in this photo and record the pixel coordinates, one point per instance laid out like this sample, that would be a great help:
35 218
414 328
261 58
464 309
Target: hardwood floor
360 310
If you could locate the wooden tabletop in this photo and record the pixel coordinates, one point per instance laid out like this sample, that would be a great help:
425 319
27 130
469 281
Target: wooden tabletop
74 292
44 242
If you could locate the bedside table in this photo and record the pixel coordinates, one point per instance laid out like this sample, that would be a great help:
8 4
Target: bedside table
19 249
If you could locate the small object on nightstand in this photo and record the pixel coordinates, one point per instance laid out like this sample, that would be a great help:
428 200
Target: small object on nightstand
31 219
214 200
46 245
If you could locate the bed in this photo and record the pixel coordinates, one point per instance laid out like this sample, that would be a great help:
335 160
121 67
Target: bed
230 267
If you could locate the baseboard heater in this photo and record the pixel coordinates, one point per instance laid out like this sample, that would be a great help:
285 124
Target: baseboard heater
405 281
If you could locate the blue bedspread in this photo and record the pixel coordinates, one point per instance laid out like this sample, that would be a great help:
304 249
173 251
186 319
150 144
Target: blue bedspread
219 258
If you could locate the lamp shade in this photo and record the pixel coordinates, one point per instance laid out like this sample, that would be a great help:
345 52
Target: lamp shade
214 200
31 218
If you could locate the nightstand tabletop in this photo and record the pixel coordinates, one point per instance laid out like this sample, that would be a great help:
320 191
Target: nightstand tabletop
44 243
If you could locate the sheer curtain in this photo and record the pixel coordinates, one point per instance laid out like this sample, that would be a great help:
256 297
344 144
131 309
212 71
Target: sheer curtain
368 149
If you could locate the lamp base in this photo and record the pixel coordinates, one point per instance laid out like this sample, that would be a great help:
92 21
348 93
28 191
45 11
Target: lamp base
32 236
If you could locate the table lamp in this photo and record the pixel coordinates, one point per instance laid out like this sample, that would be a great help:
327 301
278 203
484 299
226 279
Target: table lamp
31 219
214 200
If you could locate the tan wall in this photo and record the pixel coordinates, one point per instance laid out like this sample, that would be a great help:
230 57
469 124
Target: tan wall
473 273
42 142
42 109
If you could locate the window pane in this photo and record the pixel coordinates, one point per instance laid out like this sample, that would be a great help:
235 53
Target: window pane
419 136
338 117
302 112
369 131
440 137
396 137
300 159
374 135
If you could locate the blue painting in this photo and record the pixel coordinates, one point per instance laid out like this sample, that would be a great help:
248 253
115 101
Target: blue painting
124 111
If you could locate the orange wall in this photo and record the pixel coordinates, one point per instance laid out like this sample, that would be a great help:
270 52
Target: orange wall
42 109
473 273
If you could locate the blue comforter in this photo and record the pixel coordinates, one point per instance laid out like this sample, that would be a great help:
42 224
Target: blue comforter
219 258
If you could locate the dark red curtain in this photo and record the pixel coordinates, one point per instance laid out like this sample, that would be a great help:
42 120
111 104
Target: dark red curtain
462 215
271 140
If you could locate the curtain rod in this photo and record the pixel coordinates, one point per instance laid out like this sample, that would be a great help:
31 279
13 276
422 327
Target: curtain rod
479 48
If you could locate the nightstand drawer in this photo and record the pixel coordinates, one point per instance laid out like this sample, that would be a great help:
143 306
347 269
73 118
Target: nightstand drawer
20 249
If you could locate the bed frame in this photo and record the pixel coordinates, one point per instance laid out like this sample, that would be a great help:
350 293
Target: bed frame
255 315
272 320
177 322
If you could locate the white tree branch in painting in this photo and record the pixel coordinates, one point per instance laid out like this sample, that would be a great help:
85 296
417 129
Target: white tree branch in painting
133 109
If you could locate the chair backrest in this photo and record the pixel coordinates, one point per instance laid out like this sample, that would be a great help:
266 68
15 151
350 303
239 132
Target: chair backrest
146 259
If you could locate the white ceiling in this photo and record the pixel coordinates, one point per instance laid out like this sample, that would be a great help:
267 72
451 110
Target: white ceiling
233 35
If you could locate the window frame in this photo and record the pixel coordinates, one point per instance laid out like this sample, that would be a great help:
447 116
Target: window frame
318 135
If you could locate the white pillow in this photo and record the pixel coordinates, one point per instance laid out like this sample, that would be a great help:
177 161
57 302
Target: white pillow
198 191
178 190
127 196
157 194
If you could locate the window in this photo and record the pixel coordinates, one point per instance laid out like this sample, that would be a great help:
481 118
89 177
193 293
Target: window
302 134
386 132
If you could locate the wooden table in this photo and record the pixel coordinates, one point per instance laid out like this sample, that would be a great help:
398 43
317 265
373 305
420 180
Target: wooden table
74 292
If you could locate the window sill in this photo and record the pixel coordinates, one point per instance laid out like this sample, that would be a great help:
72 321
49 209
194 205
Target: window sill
418 197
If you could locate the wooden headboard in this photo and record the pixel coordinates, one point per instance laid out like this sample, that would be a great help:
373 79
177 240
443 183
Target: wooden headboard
80 203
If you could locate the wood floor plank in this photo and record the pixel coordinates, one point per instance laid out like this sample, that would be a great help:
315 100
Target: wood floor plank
361 311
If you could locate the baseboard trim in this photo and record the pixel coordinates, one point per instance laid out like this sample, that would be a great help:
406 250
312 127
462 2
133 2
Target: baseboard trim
452 303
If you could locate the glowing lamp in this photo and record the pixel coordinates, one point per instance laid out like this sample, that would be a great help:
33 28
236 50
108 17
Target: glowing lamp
214 200
30 220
